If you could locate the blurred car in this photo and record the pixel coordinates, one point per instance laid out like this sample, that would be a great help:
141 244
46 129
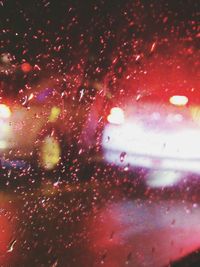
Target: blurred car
146 117
30 113
44 117
152 121
154 134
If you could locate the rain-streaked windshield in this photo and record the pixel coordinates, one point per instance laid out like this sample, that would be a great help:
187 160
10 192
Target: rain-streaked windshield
99 133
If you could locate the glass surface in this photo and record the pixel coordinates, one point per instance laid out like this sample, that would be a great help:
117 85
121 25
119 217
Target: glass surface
99 133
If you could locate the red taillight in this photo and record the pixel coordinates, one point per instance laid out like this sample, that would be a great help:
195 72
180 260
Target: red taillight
26 67
116 116
4 111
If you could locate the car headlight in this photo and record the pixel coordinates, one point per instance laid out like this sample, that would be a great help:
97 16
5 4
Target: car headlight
178 100
4 111
116 116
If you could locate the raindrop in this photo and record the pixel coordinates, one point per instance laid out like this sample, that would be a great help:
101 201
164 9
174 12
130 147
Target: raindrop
173 222
108 139
122 156
112 235
80 151
55 264
11 245
126 168
103 257
129 257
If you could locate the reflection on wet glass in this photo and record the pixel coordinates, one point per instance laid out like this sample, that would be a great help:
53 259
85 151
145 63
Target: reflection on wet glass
99 133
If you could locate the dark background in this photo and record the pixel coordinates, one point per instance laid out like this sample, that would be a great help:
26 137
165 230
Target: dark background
67 31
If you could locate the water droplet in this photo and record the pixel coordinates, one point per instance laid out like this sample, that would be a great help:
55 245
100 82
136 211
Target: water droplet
55 264
129 257
80 151
112 235
173 222
122 156
11 245
103 257
108 139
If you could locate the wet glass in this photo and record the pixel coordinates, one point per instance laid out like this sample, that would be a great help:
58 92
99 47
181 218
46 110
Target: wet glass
99 133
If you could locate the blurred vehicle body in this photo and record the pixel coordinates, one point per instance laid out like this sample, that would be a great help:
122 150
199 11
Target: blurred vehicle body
154 119
43 117
154 134
30 111
147 116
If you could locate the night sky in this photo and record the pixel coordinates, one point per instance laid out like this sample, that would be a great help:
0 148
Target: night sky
38 26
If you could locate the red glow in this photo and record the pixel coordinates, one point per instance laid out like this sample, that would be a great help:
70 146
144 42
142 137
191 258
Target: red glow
26 67
8 239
